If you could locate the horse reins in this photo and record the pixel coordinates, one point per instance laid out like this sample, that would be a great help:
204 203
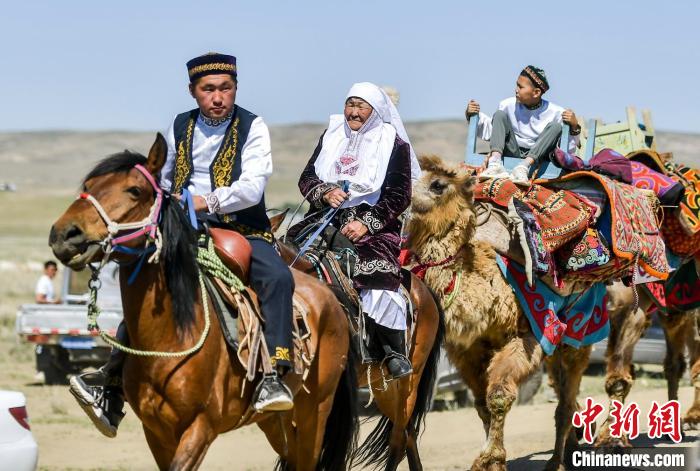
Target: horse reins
147 227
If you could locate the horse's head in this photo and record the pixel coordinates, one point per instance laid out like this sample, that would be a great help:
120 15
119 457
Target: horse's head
442 198
123 192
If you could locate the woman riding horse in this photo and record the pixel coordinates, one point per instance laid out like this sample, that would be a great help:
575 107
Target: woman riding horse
368 148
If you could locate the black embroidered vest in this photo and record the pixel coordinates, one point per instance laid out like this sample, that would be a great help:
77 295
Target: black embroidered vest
224 169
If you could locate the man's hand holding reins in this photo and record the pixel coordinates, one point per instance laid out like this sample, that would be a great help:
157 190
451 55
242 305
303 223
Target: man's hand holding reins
200 204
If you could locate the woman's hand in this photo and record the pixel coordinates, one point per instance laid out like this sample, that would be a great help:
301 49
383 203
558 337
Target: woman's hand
354 230
335 197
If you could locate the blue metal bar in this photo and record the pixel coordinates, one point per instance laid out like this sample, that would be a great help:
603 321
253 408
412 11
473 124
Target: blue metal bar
471 138
565 136
590 141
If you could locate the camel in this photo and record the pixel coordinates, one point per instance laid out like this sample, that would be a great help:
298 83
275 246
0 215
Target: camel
627 325
488 338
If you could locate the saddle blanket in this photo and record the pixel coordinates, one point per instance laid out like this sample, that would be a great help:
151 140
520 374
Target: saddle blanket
634 228
681 292
578 320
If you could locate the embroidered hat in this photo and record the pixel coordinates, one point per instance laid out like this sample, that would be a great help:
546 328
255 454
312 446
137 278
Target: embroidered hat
537 76
211 63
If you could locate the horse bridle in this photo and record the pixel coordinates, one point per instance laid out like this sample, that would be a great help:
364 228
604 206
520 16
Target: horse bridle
147 227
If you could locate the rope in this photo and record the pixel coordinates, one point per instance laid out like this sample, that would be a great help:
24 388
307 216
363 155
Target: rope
213 266
450 299
146 353
208 262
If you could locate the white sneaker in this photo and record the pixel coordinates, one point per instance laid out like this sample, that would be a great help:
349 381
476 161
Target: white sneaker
520 174
496 170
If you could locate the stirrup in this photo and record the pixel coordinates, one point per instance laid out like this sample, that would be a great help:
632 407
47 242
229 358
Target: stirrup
398 365
272 395
95 402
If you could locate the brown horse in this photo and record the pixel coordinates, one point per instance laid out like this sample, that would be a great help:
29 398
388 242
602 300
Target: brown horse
404 402
185 402
627 325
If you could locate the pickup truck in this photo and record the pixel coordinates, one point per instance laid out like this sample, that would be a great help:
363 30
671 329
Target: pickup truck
63 344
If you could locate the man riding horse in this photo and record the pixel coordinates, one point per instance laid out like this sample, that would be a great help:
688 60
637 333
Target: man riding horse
220 153
368 148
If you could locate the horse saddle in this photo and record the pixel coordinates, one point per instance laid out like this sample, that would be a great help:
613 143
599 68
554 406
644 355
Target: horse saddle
242 322
233 249
333 256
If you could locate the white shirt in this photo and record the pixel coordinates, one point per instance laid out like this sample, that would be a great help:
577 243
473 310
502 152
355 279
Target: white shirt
527 124
45 287
256 165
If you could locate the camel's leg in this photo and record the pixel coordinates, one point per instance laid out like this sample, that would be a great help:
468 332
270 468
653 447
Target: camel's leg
675 326
193 445
626 328
161 452
691 420
472 364
567 367
508 368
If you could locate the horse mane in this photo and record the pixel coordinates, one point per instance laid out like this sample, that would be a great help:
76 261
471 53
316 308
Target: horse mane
179 252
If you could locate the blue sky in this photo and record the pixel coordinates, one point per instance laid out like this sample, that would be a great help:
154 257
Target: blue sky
120 65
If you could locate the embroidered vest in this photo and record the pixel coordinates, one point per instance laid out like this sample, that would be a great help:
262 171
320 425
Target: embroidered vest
224 169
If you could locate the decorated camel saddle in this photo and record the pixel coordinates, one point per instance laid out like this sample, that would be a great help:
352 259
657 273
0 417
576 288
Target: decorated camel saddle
225 257
634 217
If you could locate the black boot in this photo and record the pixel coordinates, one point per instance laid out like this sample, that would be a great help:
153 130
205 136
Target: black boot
394 345
100 393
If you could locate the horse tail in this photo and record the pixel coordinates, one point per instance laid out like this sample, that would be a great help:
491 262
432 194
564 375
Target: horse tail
342 425
375 450
426 386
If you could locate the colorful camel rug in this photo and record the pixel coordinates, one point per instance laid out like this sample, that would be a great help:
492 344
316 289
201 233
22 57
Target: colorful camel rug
635 234
578 320
561 215
679 293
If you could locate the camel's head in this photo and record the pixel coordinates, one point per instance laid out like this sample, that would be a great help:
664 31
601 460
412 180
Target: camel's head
443 197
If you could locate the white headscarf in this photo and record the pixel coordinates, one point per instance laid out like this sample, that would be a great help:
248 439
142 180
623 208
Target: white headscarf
362 157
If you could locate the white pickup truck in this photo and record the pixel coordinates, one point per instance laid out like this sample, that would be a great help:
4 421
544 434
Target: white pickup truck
63 343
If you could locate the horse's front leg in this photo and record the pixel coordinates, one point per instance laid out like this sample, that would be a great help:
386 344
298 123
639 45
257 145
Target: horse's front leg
508 368
193 445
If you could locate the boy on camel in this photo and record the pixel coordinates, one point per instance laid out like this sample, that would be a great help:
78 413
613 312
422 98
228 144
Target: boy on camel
525 126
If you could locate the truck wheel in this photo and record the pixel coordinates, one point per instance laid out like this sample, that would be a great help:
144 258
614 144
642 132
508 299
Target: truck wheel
530 386
52 360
